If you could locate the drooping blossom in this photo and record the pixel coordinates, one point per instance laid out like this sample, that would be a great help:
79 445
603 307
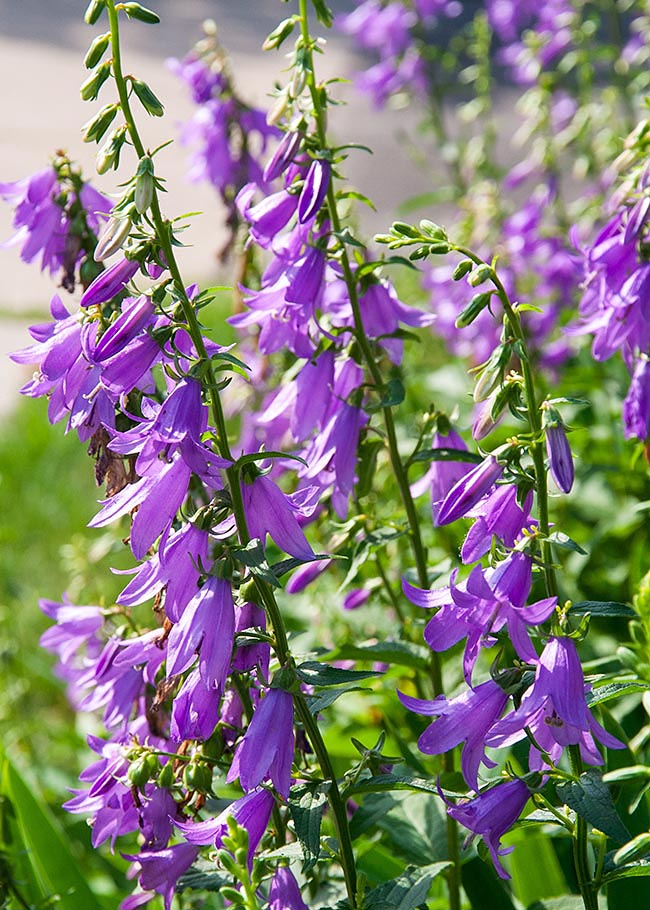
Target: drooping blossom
268 746
491 814
284 892
56 218
465 719
159 871
555 708
252 812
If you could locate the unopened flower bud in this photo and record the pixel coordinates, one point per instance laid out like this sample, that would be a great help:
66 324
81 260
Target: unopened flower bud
468 490
97 126
141 13
480 274
90 88
96 50
116 232
144 187
279 33
277 110
463 267
197 776
315 189
93 11
473 309
560 460
147 99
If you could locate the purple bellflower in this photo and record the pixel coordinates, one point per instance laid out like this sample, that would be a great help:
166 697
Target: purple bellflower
207 625
195 711
497 515
268 746
491 814
269 511
468 490
284 892
555 709
465 719
110 282
252 812
560 460
636 407
159 871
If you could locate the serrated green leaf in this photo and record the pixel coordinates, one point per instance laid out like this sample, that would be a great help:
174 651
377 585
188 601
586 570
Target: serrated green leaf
253 557
202 876
566 543
382 783
407 891
590 798
603 608
394 394
306 805
316 674
318 703
615 690
443 454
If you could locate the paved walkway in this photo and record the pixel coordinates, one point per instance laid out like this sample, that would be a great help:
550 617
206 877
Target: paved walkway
42 45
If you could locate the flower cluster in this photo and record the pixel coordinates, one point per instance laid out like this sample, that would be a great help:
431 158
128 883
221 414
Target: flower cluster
57 216
614 306
229 137
397 32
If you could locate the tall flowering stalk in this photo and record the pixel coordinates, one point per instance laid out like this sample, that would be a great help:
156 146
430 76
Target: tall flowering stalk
205 696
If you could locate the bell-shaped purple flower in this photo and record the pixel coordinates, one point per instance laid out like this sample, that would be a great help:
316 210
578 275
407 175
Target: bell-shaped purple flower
491 814
267 748
284 893
160 869
269 511
252 812
195 711
500 515
636 407
286 150
109 282
560 460
468 490
464 719
314 190
442 475
555 706
207 625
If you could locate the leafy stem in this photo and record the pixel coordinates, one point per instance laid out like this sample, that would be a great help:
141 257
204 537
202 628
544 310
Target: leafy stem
398 468
164 234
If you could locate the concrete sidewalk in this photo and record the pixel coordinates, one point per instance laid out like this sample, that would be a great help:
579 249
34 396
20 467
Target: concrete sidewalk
42 45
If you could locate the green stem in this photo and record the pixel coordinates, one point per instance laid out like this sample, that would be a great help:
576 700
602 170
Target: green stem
266 595
580 845
399 471
534 422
